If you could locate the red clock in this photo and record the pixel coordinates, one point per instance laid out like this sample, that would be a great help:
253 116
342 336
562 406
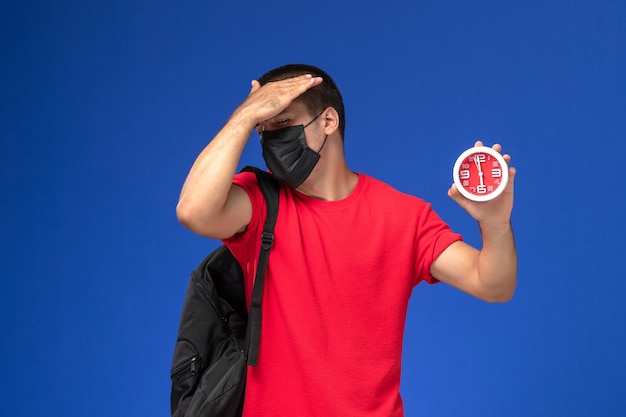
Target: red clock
480 173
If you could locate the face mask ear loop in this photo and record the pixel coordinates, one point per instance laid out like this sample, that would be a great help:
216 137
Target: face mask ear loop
324 143
314 119
324 138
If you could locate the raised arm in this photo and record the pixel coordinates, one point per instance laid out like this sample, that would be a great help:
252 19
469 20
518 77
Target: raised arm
209 203
491 272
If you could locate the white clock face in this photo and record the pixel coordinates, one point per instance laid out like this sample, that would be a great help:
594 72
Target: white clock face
480 173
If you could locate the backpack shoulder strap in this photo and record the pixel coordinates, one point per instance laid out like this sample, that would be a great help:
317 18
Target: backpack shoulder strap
269 188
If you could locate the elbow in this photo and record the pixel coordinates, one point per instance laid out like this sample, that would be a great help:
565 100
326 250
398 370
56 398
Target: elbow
500 298
501 295
200 221
185 215
182 214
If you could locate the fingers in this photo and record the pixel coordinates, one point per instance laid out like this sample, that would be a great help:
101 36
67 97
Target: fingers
512 172
294 87
453 191
270 99
456 196
496 147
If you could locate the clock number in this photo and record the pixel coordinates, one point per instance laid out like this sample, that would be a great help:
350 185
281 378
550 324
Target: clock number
496 173
464 174
481 189
465 166
480 157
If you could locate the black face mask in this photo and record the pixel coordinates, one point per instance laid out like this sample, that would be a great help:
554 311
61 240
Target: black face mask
288 156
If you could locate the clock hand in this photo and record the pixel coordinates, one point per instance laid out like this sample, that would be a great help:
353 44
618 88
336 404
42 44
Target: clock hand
480 171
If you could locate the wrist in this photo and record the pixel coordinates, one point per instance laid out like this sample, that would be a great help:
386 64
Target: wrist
492 228
243 118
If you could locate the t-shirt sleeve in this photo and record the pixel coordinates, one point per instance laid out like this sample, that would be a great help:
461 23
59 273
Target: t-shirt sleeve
244 246
432 238
247 181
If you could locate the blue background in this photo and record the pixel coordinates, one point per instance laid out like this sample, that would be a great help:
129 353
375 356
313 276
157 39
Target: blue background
105 105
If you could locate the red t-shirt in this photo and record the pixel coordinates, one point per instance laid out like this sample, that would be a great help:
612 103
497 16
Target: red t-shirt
336 293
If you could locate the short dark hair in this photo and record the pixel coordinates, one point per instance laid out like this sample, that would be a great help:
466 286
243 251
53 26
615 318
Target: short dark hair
316 99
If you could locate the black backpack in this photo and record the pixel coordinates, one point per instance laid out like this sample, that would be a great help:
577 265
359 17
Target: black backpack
216 339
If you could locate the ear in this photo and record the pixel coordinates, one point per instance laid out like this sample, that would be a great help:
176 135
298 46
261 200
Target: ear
331 120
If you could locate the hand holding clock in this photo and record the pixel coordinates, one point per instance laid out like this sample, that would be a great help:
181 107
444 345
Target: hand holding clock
483 184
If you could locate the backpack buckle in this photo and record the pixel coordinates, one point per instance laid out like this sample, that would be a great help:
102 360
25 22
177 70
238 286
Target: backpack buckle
266 240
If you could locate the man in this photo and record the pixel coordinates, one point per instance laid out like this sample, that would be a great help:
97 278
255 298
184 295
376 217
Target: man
348 251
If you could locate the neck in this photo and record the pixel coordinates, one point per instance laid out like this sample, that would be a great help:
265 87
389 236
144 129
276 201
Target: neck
331 180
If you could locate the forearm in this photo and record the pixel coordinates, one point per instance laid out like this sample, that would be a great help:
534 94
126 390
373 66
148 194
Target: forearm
497 261
206 188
